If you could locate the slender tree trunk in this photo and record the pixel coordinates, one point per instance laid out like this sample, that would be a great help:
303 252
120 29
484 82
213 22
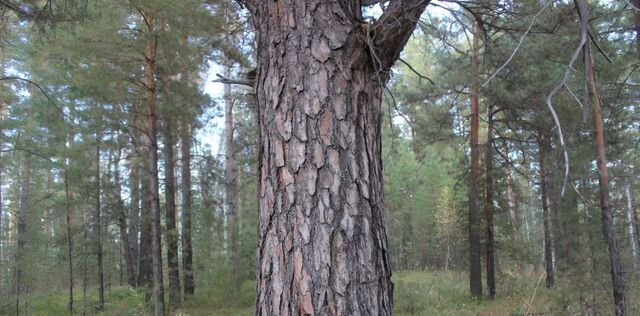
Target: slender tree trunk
98 226
150 141
170 216
49 218
608 230
85 266
592 260
134 206
2 239
122 224
631 226
145 270
543 148
636 18
636 221
69 215
323 246
23 218
489 246
475 274
513 210
187 252
231 181
511 199
557 241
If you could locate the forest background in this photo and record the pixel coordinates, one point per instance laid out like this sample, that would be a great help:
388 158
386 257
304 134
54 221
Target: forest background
96 95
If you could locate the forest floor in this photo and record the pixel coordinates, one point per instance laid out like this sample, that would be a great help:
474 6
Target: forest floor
416 293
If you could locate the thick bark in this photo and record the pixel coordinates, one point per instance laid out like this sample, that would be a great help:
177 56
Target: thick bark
187 252
150 142
231 196
488 204
23 218
543 148
608 230
630 225
475 273
171 235
98 226
322 241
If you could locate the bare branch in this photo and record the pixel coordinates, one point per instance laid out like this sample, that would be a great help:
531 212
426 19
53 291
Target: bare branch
556 89
415 71
64 115
243 82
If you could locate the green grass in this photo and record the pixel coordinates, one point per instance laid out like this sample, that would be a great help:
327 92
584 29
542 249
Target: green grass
121 301
447 293
415 293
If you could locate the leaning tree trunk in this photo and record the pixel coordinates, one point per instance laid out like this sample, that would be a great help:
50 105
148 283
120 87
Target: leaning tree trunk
171 235
187 252
322 241
543 148
475 273
608 229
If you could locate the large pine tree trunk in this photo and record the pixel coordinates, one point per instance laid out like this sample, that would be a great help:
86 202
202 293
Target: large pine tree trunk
322 241
543 148
187 252
171 235
608 229
231 196
475 273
